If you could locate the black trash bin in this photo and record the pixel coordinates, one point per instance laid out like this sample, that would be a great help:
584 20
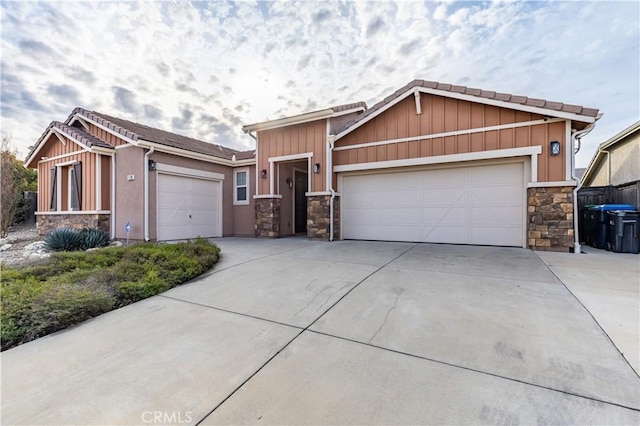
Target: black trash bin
586 222
600 222
623 231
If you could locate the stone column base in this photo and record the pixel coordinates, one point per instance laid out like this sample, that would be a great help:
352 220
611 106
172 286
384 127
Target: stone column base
267 217
550 218
319 219
45 223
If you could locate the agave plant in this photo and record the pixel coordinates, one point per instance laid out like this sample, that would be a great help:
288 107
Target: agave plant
64 239
92 238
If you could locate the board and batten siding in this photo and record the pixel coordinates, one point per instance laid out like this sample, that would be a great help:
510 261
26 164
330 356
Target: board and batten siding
439 115
299 139
88 161
109 138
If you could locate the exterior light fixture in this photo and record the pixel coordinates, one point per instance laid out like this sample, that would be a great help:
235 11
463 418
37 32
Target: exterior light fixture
263 173
289 182
554 146
316 168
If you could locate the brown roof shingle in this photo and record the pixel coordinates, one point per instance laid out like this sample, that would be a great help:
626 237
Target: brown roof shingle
136 131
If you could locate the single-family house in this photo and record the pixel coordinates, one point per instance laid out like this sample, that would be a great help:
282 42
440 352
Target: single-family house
139 182
431 162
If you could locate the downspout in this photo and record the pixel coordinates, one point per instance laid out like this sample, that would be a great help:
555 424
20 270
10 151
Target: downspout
255 138
146 193
330 145
575 142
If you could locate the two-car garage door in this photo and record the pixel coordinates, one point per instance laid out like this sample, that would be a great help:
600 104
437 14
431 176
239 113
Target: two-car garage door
482 204
188 207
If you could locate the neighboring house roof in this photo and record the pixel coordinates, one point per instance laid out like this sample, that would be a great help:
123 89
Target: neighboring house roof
334 111
506 100
598 156
133 132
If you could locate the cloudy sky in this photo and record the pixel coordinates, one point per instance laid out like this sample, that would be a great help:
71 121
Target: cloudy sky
206 68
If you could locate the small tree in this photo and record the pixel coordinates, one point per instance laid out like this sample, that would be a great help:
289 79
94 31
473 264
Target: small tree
10 188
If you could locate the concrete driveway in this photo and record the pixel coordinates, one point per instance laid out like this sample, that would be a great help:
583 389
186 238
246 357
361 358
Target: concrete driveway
296 332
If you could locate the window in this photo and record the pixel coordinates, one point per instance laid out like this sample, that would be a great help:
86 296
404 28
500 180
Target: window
66 187
74 200
241 187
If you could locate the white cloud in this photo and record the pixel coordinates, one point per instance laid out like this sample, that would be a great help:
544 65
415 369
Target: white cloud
205 68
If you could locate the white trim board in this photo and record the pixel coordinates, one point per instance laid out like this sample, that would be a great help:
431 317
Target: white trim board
46 139
469 98
532 151
552 184
266 196
184 171
291 157
60 212
452 133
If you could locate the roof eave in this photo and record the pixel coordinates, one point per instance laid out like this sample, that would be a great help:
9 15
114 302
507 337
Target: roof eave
289 121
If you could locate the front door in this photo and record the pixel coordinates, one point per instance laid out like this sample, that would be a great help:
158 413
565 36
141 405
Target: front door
300 202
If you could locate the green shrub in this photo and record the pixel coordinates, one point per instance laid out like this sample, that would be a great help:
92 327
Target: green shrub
71 287
69 239
92 238
64 239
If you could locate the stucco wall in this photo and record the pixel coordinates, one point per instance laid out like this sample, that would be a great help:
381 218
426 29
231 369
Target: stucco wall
130 194
236 220
625 164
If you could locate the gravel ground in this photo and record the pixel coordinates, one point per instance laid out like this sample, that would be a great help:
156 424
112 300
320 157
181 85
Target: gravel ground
19 237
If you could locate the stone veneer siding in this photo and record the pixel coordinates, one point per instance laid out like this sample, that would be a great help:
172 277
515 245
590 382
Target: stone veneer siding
318 217
550 218
267 217
46 223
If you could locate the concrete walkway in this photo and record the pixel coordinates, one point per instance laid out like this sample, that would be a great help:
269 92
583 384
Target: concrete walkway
296 332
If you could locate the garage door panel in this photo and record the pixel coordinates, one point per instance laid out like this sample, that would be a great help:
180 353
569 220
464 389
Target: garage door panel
443 178
505 215
400 215
187 207
368 216
444 215
445 234
444 196
496 175
400 232
401 198
511 194
481 204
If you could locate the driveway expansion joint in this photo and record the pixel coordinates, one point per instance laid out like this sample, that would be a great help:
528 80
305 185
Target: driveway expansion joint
229 311
462 367
297 335
592 317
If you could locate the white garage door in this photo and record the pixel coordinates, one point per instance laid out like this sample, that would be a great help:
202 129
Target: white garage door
188 207
465 205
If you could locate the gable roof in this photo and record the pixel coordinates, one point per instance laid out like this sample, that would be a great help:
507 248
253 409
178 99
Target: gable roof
612 141
133 132
79 136
137 131
334 111
506 100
